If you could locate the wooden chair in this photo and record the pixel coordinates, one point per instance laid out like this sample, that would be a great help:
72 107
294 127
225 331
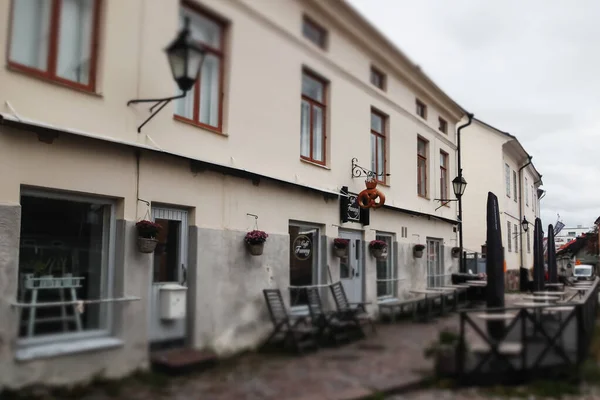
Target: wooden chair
328 322
345 309
299 334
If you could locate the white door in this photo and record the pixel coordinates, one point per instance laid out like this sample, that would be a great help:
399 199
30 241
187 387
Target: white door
435 267
351 266
169 266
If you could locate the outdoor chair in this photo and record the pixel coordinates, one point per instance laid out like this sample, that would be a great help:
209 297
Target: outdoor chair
346 311
298 334
330 326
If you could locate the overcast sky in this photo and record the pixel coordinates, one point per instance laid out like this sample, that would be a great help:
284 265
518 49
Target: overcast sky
527 67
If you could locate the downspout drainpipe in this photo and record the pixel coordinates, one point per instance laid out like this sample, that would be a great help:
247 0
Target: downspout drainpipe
462 266
522 270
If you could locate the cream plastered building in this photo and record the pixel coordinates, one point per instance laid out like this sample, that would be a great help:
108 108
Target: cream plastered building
495 161
288 95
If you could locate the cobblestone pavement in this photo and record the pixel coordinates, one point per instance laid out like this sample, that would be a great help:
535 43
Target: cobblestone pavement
476 394
391 357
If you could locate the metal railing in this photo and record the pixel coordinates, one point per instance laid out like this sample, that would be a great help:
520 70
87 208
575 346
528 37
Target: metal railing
532 342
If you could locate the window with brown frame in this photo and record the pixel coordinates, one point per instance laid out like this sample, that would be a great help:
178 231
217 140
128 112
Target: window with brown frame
444 175
314 32
421 109
312 126
56 40
378 144
203 104
443 125
422 146
378 78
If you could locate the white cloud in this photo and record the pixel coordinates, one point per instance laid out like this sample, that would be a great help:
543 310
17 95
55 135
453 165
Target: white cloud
526 67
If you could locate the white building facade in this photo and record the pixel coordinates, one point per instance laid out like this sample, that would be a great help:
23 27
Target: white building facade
495 161
291 97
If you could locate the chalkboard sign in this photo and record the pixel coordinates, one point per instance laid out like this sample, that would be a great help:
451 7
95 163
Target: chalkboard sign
350 211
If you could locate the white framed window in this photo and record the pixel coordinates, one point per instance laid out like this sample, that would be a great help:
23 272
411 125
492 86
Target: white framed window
533 199
507 177
515 185
528 242
304 262
386 270
516 230
508 237
66 252
526 193
435 263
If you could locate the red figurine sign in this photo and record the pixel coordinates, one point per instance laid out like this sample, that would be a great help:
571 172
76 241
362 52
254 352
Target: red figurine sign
367 198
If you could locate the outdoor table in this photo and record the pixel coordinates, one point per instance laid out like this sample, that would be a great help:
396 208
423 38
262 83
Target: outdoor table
537 299
459 288
558 295
446 290
480 283
496 316
428 292
556 286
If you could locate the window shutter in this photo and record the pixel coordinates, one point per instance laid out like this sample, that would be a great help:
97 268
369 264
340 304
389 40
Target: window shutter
365 216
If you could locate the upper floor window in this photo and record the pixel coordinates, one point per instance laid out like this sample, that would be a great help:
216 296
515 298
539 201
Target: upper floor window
444 175
203 104
312 126
528 243
378 78
507 177
422 146
314 32
533 199
508 237
378 144
443 125
421 109
515 186
526 193
56 40
516 236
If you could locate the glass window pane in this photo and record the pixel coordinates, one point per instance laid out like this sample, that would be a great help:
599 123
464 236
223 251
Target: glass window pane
313 33
63 256
202 29
312 88
318 151
75 40
185 106
376 123
380 156
421 147
209 91
30 33
305 129
385 272
373 153
303 261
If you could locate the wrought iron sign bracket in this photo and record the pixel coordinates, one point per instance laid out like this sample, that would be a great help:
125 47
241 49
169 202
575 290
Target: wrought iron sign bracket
444 202
359 172
158 102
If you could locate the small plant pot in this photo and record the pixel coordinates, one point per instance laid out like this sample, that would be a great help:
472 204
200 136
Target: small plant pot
340 252
380 254
455 252
146 245
256 249
418 253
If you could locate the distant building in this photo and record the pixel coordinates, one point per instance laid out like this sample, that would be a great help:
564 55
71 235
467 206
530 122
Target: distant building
568 234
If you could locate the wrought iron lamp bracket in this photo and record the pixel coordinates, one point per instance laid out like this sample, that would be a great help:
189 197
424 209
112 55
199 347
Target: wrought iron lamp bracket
360 172
444 202
162 102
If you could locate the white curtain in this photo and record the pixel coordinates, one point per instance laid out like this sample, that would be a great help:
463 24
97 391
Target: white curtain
75 40
305 130
30 33
209 91
318 134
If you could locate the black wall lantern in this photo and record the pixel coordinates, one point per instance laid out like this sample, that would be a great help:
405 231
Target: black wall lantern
525 224
185 58
459 184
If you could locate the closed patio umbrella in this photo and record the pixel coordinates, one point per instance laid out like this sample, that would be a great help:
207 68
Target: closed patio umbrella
538 257
552 268
494 265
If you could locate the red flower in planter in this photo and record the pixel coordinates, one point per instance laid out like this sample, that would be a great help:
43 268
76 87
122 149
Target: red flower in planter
378 245
256 237
148 229
340 243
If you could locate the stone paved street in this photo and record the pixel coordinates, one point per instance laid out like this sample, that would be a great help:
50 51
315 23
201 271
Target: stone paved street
391 357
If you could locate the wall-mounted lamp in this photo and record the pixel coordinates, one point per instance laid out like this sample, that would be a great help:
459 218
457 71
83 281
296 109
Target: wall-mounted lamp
185 58
459 185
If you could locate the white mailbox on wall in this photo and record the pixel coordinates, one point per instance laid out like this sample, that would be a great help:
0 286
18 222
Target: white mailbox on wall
172 301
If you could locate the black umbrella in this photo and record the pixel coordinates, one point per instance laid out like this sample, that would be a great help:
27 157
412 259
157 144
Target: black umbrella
552 269
494 265
538 257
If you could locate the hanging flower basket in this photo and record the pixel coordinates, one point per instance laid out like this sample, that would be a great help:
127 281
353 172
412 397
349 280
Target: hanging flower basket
379 249
418 250
147 232
255 240
455 252
340 247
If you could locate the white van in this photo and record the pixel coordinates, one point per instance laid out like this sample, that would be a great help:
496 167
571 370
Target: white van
583 272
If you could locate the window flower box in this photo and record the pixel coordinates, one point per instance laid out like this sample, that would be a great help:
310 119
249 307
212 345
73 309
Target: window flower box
379 249
255 240
147 232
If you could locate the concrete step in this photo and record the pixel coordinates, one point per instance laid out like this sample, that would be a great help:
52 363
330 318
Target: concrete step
182 360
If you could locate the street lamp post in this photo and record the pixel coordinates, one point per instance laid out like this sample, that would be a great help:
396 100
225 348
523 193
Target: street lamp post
459 184
460 176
